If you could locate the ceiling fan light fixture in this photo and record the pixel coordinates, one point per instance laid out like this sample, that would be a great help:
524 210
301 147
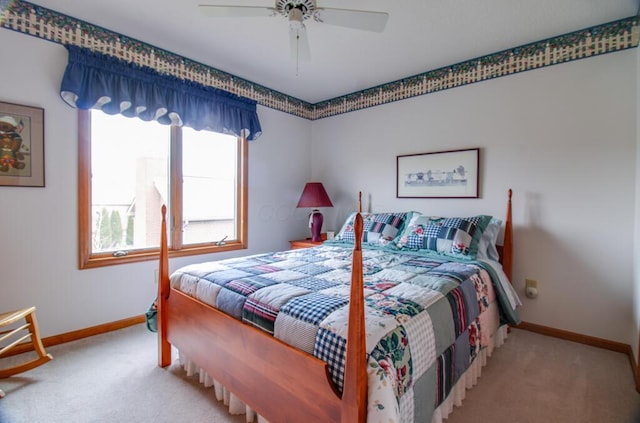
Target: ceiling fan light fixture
295 18
306 7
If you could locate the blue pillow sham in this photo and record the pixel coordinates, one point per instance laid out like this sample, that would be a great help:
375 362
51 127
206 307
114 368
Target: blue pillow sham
455 236
379 229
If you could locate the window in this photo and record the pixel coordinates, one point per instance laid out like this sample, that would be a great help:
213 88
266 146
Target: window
129 168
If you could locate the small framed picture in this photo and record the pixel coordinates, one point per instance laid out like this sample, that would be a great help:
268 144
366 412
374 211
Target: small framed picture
21 145
442 174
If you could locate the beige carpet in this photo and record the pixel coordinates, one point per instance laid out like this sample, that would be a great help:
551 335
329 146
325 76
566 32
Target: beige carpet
534 378
113 378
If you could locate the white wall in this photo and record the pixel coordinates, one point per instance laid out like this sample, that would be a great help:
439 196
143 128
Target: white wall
563 138
39 225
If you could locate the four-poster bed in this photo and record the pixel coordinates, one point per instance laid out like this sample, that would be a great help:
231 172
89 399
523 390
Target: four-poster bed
283 383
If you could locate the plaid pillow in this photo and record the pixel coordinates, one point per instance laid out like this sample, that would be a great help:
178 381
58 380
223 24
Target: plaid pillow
457 236
379 229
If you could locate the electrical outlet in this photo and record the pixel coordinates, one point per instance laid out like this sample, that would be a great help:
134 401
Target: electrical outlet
531 288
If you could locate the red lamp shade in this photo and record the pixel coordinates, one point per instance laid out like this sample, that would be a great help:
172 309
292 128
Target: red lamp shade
314 195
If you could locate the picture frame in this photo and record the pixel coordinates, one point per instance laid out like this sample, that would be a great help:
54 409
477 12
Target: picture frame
21 145
440 174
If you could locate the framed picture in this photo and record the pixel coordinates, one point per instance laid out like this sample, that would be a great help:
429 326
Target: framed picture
21 145
442 174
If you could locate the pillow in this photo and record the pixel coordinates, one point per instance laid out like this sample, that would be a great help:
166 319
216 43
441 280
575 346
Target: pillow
379 229
456 236
487 246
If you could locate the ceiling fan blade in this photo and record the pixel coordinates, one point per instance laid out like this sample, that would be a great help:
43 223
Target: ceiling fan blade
299 43
357 19
235 11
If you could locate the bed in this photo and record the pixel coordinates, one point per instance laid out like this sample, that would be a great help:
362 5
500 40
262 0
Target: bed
285 332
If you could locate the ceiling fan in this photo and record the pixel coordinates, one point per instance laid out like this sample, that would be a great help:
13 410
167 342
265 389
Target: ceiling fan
298 11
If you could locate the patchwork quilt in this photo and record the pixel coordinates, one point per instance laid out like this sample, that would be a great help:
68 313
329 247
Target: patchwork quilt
422 312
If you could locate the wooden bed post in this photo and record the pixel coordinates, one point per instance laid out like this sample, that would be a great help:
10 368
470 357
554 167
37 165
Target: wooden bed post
164 348
507 261
354 394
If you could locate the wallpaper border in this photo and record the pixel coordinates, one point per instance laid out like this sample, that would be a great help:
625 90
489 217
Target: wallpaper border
38 21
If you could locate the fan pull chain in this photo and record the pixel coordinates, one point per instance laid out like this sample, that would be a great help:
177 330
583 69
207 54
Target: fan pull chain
297 52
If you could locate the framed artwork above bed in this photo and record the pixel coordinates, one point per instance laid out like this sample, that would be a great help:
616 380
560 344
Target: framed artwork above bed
441 174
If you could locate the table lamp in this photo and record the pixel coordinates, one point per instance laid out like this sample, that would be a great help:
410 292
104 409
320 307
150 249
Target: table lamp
314 195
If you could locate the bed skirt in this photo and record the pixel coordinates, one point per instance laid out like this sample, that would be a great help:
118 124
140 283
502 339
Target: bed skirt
466 381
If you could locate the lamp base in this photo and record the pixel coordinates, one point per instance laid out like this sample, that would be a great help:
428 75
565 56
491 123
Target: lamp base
315 223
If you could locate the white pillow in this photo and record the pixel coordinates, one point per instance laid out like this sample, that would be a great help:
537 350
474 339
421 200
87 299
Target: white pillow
487 246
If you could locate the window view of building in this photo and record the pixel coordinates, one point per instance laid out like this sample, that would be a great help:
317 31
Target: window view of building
137 166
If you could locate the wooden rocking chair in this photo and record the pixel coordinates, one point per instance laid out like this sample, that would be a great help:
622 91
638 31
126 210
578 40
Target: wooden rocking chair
14 330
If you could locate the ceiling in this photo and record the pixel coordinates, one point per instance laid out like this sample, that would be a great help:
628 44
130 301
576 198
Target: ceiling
420 35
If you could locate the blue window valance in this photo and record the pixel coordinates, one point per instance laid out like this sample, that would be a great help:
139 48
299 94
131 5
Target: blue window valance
96 81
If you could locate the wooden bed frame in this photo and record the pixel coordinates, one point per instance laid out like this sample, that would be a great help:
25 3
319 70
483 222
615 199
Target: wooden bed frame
278 381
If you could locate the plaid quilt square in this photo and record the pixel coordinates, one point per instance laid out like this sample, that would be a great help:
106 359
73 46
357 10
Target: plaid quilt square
201 269
336 263
262 307
284 276
407 405
208 293
394 275
288 264
266 258
331 348
313 308
243 262
463 354
312 269
440 283
456 271
445 373
367 268
422 343
420 295
342 290
261 268
342 276
308 256
459 309
224 276
313 283
187 283
259 315
471 300
231 303
425 262
248 285
295 332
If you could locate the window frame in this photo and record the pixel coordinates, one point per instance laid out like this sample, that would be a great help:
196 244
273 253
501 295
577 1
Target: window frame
88 260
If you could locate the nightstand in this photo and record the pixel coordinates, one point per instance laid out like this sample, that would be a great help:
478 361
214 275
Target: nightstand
307 243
